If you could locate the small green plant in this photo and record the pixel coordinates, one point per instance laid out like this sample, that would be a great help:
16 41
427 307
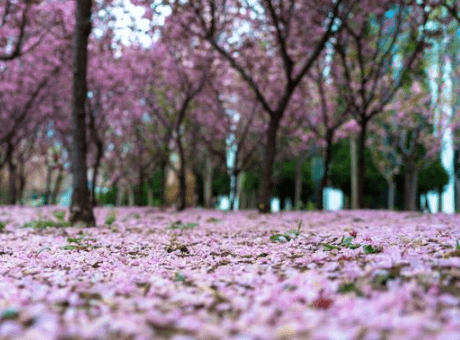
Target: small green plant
76 243
288 235
368 249
347 242
60 215
457 245
179 277
213 220
328 246
182 226
9 314
43 224
76 240
349 287
310 206
2 226
111 218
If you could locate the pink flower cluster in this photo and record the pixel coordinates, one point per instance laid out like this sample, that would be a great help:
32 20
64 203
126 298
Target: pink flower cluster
202 274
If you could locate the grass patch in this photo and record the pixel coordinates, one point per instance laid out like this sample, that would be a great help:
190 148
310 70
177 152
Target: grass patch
181 226
43 224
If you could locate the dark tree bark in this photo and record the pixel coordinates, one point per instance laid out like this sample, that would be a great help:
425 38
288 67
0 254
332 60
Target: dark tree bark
163 165
181 176
57 184
410 186
11 174
97 140
140 190
97 165
298 182
327 164
13 181
362 165
81 209
18 43
266 180
208 182
49 175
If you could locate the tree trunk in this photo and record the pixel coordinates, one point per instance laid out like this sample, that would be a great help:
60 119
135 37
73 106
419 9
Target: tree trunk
239 190
11 174
233 188
150 196
354 174
244 200
49 176
324 180
97 165
120 195
131 201
81 210
22 184
252 200
140 191
181 176
362 166
208 183
440 201
391 194
266 181
57 185
410 187
163 183
298 184
413 194
13 181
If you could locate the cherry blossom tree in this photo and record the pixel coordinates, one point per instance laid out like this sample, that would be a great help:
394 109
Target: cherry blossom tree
27 80
378 50
81 210
319 112
229 122
19 28
265 42
177 71
409 136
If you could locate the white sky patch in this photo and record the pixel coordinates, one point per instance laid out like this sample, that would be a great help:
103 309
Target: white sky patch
130 24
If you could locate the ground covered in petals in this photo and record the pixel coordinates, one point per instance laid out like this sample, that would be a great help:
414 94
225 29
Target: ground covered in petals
143 273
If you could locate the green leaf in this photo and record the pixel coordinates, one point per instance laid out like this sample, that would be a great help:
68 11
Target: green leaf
292 234
354 246
9 314
60 215
2 226
347 288
75 240
457 245
179 277
327 246
69 247
213 220
182 226
110 219
347 241
368 249
279 238
42 224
